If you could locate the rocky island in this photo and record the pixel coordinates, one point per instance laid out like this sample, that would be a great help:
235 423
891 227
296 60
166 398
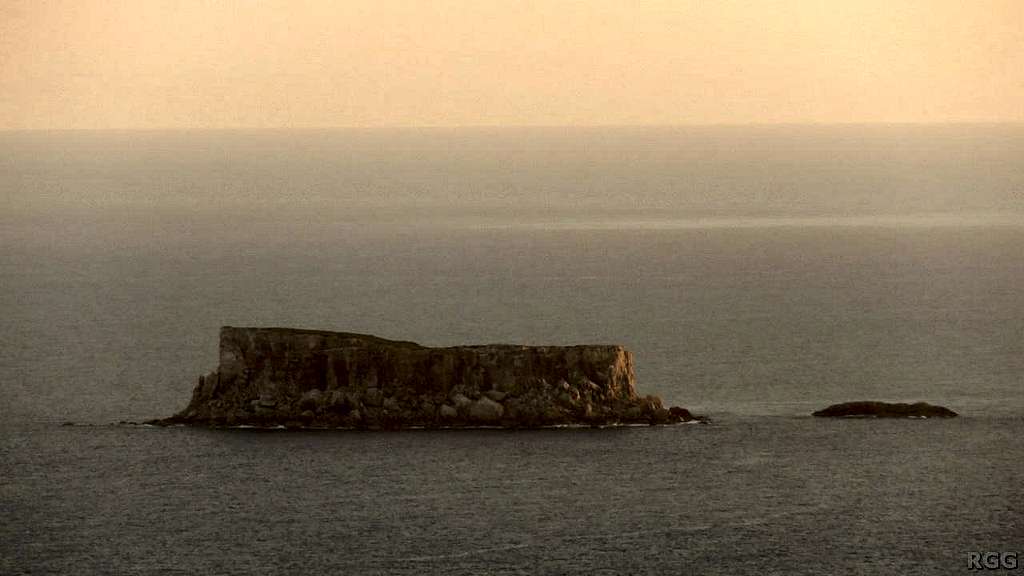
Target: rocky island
865 409
312 378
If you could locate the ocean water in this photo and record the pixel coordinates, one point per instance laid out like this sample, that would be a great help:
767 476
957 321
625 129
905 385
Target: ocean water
757 274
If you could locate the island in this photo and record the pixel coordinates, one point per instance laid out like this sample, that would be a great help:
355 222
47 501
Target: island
869 409
271 377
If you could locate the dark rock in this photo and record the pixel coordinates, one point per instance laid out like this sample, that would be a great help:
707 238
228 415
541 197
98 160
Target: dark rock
867 409
681 414
660 416
269 376
373 397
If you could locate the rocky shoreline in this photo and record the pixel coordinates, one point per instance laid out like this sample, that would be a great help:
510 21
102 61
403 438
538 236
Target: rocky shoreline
273 377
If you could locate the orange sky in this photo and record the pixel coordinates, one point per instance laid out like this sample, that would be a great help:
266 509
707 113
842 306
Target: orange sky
314 63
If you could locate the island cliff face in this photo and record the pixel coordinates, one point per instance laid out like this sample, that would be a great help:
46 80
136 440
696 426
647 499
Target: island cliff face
281 376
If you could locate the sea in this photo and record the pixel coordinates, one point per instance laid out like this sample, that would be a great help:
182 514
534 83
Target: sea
757 273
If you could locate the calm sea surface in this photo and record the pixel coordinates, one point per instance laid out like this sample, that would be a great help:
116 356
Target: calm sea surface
756 274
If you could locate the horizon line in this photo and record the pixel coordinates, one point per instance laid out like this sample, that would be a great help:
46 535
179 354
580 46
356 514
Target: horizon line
399 127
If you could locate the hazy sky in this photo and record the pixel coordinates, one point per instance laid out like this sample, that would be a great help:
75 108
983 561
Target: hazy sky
308 63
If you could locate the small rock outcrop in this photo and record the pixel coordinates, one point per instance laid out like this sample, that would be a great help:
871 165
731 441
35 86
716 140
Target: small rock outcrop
312 378
867 409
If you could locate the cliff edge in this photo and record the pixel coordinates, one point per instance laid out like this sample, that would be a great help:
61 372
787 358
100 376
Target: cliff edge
312 378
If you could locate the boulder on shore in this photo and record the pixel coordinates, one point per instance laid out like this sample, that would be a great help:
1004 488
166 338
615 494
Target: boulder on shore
869 409
486 410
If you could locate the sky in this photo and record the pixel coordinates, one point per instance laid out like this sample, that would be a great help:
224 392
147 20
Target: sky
126 64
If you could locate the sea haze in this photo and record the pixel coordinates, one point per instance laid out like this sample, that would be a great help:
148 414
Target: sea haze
757 274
